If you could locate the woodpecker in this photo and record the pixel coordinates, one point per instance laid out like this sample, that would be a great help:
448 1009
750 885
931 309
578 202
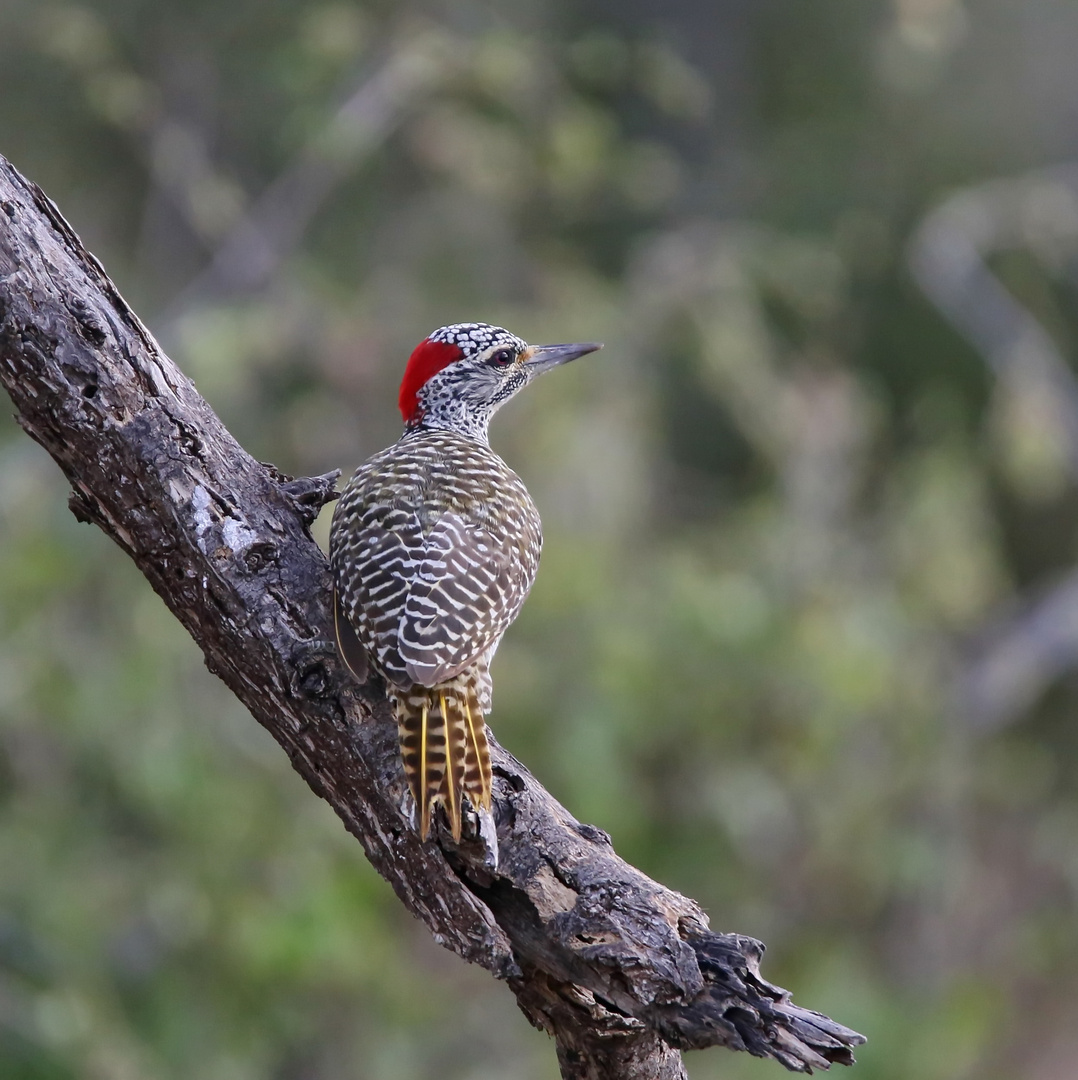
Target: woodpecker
434 546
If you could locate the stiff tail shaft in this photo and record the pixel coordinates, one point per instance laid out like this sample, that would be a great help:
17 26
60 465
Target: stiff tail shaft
444 747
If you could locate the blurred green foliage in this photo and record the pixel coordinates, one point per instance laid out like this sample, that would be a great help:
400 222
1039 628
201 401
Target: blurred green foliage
783 509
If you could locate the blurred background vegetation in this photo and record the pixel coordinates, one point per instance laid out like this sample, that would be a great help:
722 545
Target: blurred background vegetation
805 639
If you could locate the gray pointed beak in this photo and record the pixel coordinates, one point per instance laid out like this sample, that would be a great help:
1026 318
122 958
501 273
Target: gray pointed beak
544 357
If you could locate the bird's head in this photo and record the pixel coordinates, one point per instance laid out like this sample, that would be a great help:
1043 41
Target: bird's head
460 375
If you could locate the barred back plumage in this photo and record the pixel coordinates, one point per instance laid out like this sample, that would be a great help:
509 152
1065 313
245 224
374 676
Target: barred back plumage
434 546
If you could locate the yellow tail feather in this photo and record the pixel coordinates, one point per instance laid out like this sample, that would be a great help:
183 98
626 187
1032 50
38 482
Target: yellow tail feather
477 771
451 786
423 799
444 749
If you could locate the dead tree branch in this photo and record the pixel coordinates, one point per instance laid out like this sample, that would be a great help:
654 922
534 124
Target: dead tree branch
622 971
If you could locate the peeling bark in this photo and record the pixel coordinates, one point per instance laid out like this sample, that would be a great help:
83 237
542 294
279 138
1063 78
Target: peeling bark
623 972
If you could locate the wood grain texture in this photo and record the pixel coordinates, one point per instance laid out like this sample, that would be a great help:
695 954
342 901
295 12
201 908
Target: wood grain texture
622 971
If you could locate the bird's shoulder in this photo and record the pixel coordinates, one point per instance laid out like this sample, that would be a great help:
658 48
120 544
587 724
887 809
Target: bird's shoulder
431 474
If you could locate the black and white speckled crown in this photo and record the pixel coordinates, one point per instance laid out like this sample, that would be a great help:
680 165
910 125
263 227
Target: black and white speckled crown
474 337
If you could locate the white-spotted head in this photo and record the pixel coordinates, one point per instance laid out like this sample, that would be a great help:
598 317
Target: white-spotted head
460 375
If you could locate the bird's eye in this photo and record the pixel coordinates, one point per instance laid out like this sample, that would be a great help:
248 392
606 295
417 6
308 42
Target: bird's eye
502 357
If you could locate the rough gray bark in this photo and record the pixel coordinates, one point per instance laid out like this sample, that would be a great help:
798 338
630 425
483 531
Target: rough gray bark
622 971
